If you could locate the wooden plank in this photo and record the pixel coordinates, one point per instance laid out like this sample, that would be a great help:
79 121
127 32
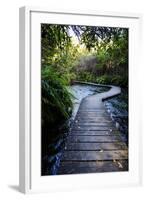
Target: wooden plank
93 167
91 109
94 128
97 118
94 155
86 164
95 125
92 112
90 138
95 146
78 123
94 132
92 121
88 115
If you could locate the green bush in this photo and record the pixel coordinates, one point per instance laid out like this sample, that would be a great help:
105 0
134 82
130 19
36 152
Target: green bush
113 79
56 109
56 100
85 76
105 79
120 80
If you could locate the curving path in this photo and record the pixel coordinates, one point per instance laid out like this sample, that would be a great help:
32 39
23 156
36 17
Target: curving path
94 143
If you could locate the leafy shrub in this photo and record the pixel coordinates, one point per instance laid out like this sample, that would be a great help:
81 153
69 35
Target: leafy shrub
113 79
56 108
56 100
85 76
105 79
120 80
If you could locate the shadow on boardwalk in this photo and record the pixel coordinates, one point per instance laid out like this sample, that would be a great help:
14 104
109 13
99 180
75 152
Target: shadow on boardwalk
94 143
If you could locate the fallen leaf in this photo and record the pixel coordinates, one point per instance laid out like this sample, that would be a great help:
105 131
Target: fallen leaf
120 165
101 150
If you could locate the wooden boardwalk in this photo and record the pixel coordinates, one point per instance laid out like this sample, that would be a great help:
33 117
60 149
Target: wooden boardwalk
94 143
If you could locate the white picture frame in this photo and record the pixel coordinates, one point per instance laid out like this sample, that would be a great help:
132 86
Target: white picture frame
29 160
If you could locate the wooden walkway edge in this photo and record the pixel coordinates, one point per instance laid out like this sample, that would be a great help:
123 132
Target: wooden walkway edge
94 143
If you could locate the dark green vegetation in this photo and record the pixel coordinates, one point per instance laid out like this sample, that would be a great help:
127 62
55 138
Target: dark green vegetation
69 53
56 109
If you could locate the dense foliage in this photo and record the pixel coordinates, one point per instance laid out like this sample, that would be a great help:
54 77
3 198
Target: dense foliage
55 109
109 61
101 54
56 101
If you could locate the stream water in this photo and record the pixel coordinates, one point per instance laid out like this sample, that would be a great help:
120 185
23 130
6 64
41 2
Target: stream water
117 108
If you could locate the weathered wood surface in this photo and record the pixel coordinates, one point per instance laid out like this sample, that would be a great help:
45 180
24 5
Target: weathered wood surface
94 143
